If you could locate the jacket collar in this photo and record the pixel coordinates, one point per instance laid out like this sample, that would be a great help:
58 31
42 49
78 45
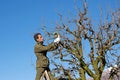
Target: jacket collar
40 43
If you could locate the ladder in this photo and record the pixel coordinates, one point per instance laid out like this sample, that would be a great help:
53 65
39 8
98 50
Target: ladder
45 76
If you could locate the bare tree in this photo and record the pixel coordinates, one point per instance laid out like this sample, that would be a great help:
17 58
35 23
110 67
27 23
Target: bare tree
101 47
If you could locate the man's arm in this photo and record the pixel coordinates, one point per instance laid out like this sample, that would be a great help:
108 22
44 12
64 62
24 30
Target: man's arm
42 48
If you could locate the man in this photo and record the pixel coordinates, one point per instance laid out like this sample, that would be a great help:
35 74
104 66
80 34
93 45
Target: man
42 62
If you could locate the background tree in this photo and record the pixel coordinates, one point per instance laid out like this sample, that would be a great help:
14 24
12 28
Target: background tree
87 51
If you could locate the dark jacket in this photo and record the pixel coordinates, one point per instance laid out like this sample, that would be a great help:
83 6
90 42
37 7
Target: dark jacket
41 51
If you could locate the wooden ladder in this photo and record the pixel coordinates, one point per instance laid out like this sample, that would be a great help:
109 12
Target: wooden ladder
45 76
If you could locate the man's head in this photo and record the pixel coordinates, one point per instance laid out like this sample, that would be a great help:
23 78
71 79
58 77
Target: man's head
38 37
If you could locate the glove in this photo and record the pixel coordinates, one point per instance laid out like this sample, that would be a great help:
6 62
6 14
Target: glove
57 40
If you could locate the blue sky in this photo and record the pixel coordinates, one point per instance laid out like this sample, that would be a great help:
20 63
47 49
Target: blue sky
20 19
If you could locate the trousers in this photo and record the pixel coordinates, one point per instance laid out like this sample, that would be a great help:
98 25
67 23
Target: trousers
40 71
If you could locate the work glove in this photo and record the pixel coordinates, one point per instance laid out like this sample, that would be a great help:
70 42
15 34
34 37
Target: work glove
57 39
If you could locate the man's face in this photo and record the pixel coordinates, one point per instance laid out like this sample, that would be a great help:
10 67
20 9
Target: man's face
40 38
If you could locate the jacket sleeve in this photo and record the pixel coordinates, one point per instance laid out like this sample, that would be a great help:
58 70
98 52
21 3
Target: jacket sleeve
42 48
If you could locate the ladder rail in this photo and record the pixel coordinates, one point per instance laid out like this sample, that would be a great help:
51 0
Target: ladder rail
45 75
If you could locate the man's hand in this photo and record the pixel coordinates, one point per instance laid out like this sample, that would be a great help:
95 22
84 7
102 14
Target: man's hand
57 40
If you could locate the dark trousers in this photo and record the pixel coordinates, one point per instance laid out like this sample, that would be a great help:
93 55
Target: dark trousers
40 71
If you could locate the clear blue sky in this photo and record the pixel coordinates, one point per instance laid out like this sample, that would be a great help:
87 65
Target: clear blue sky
19 19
